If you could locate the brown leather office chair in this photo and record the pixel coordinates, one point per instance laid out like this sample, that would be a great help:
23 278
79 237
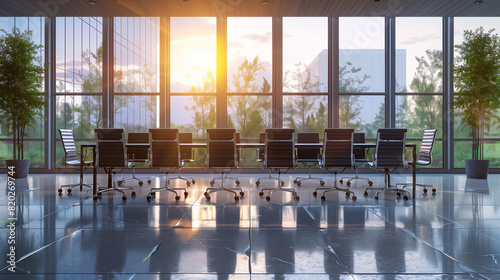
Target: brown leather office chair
310 156
222 156
166 157
337 155
360 158
112 157
279 155
137 155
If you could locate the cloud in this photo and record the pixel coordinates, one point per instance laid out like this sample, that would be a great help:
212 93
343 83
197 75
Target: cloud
260 39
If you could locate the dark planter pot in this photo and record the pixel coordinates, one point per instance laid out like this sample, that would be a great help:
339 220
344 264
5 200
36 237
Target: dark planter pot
477 168
21 167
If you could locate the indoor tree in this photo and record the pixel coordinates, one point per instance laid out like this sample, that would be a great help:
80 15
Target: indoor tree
477 91
21 84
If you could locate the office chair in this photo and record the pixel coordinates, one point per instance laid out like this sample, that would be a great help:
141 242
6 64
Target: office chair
359 157
310 156
111 155
187 155
424 157
260 158
279 154
222 155
389 156
337 155
72 158
137 154
238 158
166 157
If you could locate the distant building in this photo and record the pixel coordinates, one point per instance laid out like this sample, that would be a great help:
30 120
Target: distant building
371 62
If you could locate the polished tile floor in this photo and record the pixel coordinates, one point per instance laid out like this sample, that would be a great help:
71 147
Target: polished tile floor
454 234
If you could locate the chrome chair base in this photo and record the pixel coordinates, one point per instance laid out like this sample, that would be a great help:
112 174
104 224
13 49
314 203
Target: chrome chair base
348 193
222 188
122 190
279 188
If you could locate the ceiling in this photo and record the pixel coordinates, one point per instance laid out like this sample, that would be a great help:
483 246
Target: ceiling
251 8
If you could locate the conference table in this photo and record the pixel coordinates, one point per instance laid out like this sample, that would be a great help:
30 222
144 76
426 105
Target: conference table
245 146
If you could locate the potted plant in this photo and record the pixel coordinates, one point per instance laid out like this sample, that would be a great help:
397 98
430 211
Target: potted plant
477 95
21 95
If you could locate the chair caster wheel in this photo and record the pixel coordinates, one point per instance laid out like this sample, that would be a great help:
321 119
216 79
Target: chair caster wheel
148 198
242 193
348 183
341 181
257 183
207 197
149 182
193 181
405 197
354 198
212 183
347 194
188 183
185 194
323 197
60 191
433 191
376 197
236 197
268 198
298 183
177 197
365 193
370 183
282 183
315 193
69 191
95 197
124 197
425 190
261 193
295 181
133 194
398 194
297 197
120 183
141 183
237 182
322 183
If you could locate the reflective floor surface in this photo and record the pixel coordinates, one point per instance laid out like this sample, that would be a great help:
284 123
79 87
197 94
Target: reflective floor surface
454 234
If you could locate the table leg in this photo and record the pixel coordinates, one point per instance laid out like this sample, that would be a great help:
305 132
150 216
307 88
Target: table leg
414 173
94 175
81 167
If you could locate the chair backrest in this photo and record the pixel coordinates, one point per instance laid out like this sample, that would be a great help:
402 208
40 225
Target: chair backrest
221 147
359 152
140 153
425 152
390 149
280 148
337 148
68 142
165 149
186 152
308 153
111 151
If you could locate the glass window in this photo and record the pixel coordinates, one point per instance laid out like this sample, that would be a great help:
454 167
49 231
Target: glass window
193 52
136 54
419 55
305 113
136 113
305 55
193 114
364 113
249 54
361 54
249 114
81 113
79 54
418 113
